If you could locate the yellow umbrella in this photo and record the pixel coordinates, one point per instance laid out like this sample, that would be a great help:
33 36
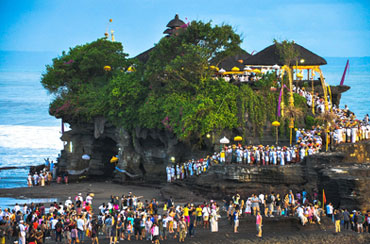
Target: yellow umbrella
107 68
299 75
238 138
235 69
114 159
256 71
131 69
276 123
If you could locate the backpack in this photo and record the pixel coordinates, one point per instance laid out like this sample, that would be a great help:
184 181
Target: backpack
269 199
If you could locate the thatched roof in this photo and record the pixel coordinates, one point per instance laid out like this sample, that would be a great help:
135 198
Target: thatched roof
270 56
233 61
144 56
176 22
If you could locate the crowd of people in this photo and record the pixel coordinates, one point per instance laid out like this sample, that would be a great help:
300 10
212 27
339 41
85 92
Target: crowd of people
129 217
121 218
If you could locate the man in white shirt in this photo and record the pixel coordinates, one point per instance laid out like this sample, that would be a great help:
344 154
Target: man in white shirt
68 202
22 233
89 199
17 208
81 228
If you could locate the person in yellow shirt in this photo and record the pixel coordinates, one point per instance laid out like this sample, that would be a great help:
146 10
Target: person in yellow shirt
186 214
198 211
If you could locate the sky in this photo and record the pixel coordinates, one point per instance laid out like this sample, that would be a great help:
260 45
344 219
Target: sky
330 28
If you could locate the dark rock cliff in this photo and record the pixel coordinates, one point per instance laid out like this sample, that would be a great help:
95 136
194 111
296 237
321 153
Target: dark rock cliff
345 181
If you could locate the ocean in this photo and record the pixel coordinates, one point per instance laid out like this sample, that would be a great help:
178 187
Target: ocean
28 134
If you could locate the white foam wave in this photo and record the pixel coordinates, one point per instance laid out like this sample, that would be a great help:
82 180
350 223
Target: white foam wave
17 136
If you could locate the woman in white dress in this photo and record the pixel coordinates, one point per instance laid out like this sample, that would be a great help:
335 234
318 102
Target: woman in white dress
248 206
214 221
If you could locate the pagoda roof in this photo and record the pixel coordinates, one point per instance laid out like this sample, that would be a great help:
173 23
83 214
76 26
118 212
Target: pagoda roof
176 22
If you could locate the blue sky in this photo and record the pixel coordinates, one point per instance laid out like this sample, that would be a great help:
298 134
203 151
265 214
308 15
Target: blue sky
328 28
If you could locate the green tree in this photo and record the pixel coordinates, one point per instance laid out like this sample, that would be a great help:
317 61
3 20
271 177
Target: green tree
78 80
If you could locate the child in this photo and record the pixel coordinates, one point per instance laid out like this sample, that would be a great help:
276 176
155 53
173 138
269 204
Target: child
129 230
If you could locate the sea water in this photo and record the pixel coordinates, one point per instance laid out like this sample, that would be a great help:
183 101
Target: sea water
28 134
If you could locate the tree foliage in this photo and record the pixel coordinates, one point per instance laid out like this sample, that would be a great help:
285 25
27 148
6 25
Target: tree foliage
174 91
78 81
286 51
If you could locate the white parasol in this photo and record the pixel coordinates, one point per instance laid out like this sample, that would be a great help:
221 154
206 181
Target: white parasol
224 140
85 157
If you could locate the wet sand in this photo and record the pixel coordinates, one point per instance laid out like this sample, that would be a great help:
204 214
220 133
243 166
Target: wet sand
275 230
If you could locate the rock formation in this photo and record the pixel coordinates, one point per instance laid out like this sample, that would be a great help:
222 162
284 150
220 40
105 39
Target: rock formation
344 174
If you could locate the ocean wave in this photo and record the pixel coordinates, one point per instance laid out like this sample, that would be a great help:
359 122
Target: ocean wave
35 137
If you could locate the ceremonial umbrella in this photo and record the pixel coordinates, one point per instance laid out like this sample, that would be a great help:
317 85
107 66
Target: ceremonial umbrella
224 140
114 159
235 69
85 157
238 138
276 124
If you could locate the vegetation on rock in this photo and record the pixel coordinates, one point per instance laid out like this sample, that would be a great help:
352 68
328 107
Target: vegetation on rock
175 90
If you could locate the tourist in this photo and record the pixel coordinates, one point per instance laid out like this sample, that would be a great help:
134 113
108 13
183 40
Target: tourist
337 218
22 233
346 219
214 221
259 224
236 220
360 222
255 204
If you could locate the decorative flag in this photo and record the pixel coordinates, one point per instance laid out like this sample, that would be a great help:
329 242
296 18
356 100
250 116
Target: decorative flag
323 198
344 73
279 102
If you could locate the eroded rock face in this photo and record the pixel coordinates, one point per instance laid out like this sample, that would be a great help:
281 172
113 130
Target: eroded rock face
345 181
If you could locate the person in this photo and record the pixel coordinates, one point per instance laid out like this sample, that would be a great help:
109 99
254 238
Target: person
206 212
346 219
22 233
81 228
214 221
182 229
255 204
360 222
29 180
39 236
74 235
236 221
94 232
58 231
259 224
337 218
155 234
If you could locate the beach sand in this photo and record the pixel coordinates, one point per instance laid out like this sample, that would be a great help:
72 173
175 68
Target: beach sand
275 230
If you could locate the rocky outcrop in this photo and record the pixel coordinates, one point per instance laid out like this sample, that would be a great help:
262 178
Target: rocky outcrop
344 180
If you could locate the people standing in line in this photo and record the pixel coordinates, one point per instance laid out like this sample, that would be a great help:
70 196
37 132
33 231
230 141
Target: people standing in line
346 219
337 218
